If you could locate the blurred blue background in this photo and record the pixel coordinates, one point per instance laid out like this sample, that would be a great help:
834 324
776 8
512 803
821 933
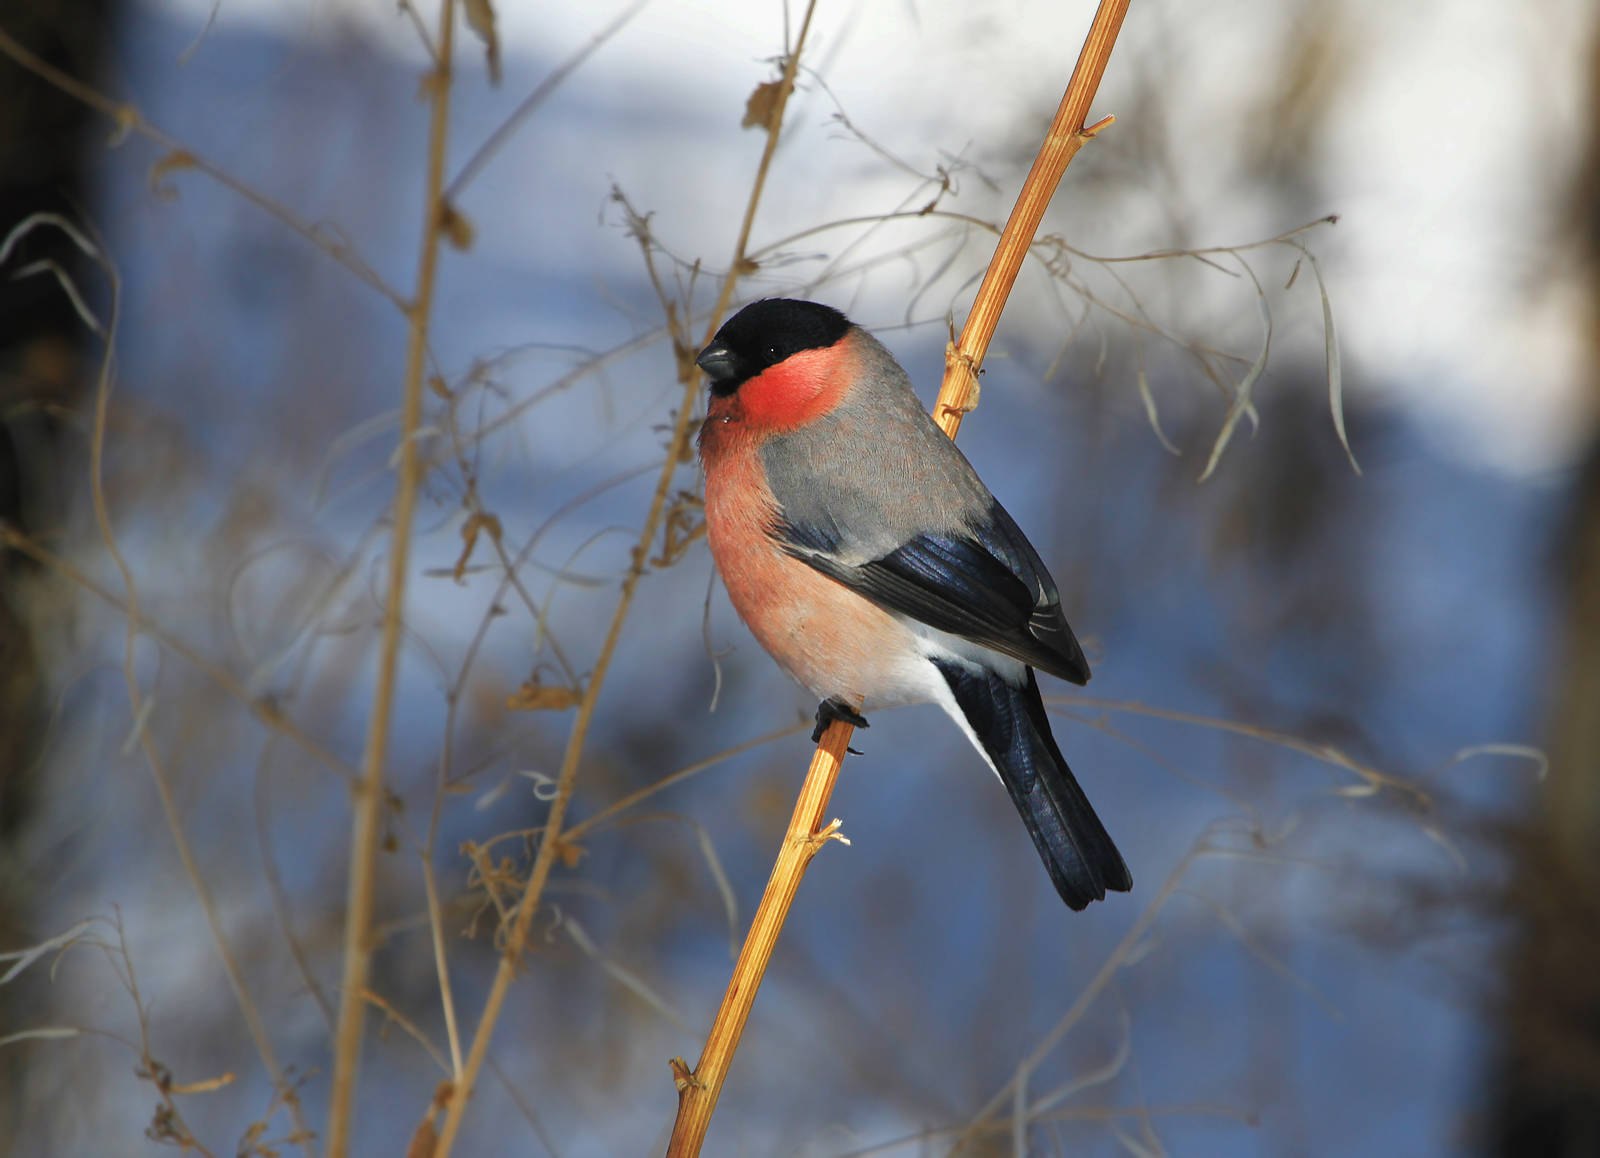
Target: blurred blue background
1317 694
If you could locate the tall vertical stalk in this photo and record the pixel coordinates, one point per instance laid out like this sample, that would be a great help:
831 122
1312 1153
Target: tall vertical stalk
369 792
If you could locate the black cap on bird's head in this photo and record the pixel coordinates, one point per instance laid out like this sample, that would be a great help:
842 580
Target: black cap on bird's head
763 334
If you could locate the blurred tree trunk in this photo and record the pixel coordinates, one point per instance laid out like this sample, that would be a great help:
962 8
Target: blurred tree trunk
45 145
44 366
1547 1100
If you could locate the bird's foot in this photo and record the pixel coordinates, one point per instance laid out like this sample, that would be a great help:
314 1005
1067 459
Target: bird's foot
835 708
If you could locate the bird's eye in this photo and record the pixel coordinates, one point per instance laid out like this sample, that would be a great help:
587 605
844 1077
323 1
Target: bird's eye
772 353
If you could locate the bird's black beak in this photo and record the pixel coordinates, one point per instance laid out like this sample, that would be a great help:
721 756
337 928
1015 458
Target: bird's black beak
718 362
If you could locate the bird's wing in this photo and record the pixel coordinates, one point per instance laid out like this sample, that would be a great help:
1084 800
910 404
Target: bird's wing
985 584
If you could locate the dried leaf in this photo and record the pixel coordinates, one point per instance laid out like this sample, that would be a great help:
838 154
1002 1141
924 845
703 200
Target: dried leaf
1242 404
425 1142
204 1086
1330 339
536 697
455 226
762 104
480 18
1536 757
173 162
476 522
21 959
44 1033
1152 416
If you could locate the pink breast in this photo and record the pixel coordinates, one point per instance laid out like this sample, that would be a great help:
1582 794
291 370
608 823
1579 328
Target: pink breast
831 640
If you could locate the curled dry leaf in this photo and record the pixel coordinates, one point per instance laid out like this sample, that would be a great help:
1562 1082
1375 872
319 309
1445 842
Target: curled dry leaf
480 18
536 697
172 162
763 101
204 1086
569 852
477 522
425 1142
456 227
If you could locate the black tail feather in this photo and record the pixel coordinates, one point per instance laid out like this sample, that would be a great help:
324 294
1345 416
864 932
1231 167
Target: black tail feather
1011 725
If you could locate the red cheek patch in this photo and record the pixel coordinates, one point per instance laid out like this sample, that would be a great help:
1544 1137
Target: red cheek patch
801 388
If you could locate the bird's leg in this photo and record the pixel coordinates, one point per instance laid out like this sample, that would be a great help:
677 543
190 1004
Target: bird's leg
836 708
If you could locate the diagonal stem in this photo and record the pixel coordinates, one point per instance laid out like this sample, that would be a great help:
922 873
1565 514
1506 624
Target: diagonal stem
698 1090
958 394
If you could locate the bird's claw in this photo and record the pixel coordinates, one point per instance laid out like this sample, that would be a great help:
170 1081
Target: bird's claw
835 708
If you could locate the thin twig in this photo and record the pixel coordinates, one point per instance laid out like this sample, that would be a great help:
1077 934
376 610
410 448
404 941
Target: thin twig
958 394
698 1090
129 119
263 708
541 92
1375 778
367 824
1114 961
139 707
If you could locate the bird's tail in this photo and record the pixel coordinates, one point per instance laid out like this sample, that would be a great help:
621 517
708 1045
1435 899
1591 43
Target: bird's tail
1011 726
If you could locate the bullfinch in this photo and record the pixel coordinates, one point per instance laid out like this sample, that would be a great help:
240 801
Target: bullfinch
863 552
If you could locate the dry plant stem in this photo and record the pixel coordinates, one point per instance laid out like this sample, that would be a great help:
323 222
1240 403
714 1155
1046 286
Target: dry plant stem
258 706
158 774
958 395
1118 957
129 119
441 964
698 1091
369 793
522 919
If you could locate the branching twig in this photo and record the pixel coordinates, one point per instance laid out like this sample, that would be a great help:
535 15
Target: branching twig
129 119
1086 997
263 708
369 794
139 706
530 104
699 1089
958 394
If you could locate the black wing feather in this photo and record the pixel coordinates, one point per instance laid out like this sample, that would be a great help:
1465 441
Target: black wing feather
987 585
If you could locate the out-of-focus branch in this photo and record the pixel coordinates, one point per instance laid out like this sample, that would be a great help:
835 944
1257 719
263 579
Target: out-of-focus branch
699 1089
129 120
259 706
369 793
140 705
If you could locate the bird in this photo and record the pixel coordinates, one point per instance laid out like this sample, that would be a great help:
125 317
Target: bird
863 552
